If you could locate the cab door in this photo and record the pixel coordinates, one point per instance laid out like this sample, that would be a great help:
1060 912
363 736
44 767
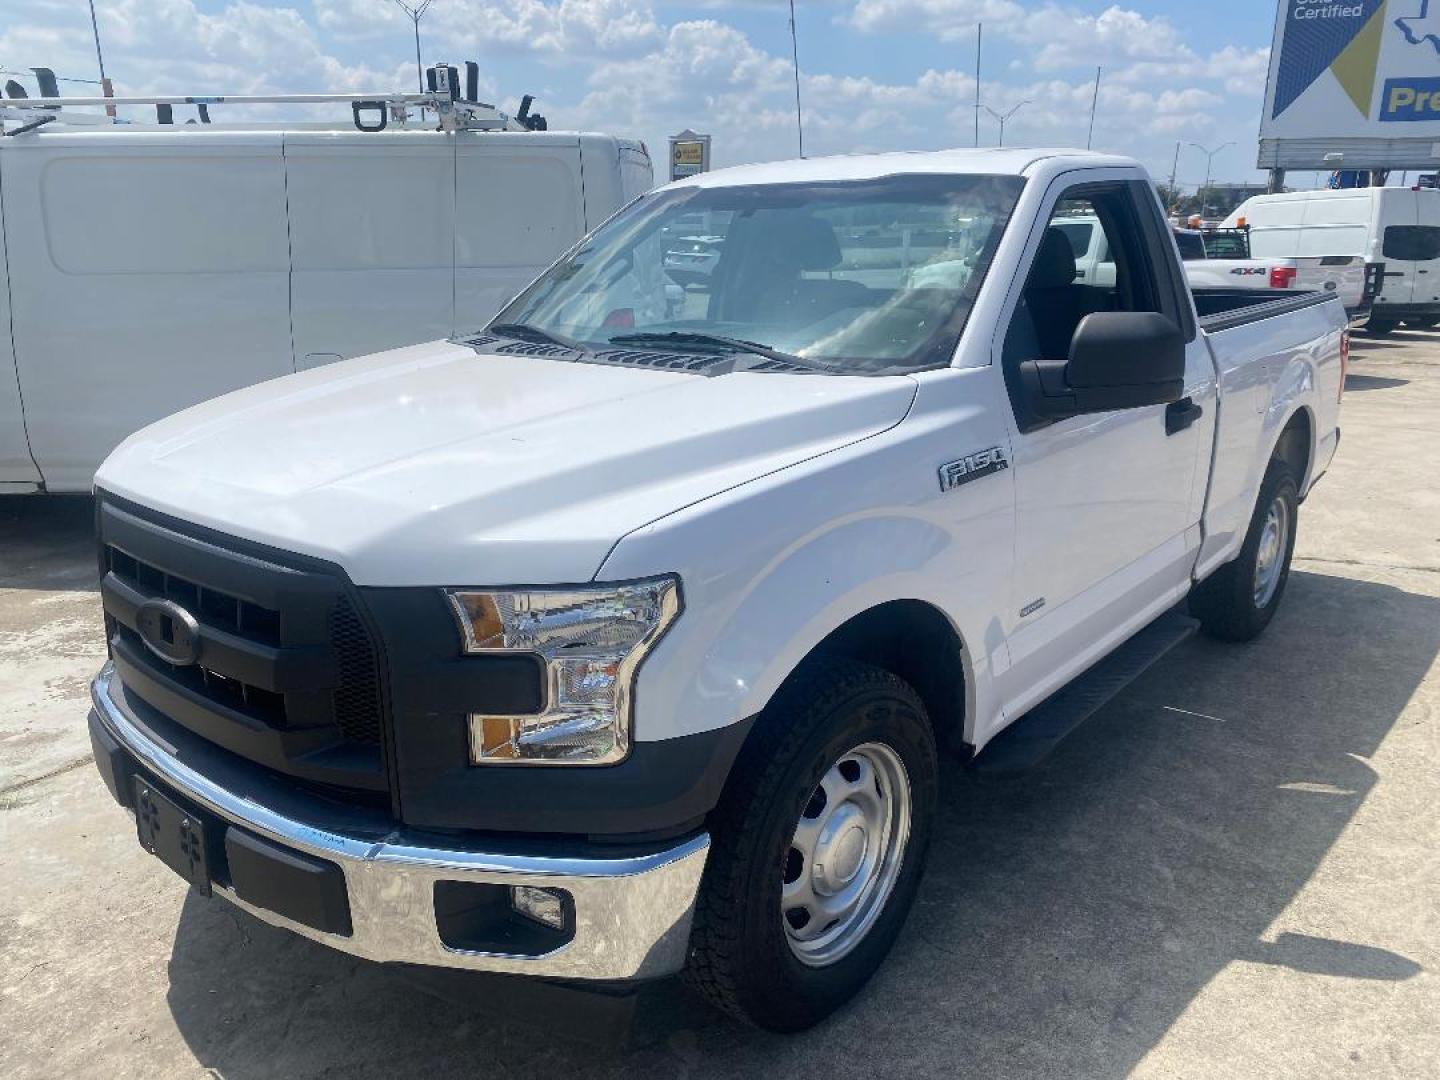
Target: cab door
1106 504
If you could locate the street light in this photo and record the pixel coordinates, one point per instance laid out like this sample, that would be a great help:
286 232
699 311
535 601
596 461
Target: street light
1209 157
1005 117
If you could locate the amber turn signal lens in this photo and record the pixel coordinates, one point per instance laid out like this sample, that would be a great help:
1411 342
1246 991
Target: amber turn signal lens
483 626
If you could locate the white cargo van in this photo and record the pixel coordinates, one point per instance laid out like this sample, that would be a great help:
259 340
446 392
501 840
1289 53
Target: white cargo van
150 268
1394 225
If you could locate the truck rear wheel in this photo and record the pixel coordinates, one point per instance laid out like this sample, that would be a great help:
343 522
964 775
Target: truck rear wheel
816 848
1238 601
1379 327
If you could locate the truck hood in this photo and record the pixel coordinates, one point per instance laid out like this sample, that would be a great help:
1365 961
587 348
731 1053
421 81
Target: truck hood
433 465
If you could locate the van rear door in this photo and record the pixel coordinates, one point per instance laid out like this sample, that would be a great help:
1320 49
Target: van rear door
372 263
1396 223
148 271
1423 247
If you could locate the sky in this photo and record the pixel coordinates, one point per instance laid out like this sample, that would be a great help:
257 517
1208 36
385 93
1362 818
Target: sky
874 74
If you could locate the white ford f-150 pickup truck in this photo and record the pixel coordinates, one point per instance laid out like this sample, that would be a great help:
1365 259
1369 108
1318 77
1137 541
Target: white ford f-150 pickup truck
624 634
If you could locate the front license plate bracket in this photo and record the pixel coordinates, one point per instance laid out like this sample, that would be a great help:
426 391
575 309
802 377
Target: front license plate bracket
172 833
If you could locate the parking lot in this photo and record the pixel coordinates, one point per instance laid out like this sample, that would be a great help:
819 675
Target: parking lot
1230 871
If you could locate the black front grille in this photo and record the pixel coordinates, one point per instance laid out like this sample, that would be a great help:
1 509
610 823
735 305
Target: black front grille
357 698
216 608
287 673
253 701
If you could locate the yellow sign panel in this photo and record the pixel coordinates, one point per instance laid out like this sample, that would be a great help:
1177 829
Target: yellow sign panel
689 153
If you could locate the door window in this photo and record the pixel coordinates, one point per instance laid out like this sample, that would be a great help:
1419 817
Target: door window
1056 298
1412 243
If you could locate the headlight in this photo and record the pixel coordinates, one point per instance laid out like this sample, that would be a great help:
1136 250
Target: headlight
591 641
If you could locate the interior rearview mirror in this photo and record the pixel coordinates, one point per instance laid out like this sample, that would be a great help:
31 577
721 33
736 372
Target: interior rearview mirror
1118 360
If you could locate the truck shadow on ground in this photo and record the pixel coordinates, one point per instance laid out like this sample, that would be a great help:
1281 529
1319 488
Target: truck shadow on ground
47 542
1066 921
1372 382
1396 339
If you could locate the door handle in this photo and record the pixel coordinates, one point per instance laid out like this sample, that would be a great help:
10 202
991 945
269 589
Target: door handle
1179 415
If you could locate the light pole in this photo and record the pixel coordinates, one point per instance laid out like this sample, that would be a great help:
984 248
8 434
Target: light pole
1005 117
1209 157
1094 101
795 58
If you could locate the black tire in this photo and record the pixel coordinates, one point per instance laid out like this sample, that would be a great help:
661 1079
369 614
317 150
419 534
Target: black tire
1379 327
1226 603
741 958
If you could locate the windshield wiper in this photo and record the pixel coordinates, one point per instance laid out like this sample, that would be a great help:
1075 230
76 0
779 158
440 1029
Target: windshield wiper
526 332
682 338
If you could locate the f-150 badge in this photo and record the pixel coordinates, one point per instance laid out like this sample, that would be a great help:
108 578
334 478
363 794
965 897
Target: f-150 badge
972 467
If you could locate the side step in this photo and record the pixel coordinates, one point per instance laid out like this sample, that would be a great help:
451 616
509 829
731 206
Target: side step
1030 739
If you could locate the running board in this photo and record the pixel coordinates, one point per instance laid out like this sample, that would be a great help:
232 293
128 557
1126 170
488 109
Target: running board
1028 741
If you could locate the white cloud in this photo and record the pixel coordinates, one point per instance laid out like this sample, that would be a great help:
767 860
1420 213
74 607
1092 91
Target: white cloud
170 46
629 67
1243 71
560 28
1058 36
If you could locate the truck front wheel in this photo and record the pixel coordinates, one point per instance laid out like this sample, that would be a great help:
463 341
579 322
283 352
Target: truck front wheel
817 847
1238 601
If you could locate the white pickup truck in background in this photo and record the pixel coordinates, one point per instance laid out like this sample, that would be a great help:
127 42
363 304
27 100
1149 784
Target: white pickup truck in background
1220 259
153 266
625 633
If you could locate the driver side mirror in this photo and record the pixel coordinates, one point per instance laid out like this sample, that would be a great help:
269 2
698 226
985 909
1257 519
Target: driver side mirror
1118 360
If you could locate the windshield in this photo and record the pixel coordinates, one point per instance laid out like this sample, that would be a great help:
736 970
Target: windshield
858 277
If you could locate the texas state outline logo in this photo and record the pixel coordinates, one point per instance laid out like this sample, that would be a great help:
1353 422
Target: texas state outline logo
1421 28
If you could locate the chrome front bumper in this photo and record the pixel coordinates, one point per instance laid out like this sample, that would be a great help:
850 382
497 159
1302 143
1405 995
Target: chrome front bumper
632 914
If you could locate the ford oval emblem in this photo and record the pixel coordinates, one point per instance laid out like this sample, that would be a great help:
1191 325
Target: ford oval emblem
169 631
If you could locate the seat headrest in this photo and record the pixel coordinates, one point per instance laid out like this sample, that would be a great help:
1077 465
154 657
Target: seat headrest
803 242
1054 263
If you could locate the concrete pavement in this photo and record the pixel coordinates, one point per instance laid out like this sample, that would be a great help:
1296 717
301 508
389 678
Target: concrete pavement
1231 871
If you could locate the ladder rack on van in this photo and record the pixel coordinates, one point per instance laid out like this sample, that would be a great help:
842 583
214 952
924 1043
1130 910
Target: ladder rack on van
369 112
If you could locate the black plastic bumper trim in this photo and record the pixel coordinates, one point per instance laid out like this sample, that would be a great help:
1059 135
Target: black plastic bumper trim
300 887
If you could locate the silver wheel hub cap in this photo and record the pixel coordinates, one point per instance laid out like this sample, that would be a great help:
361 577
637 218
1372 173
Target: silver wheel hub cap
1270 555
846 854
